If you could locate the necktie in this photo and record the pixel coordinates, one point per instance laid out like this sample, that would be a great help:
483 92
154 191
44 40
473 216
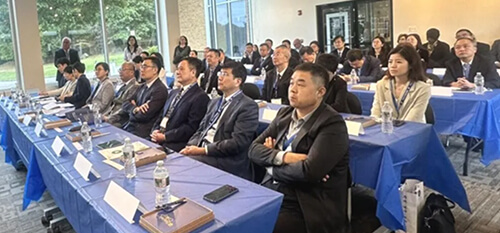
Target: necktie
208 80
173 105
67 54
262 60
340 53
120 91
275 88
288 141
95 90
466 70
358 72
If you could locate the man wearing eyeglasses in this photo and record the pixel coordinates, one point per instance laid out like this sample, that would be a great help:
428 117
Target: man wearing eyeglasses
123 93
147 103
229 126
209 80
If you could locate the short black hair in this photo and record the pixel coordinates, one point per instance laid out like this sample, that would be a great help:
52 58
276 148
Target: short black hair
193 63
62 61
318 73
306 49
339 37
80 67
137 59
464 30
68 69
237 69
221 50
146 53
216 51
328 61
159 56
156 62
433 33
264 44
104 65
270 41
195 52
286 41
249 44
354 55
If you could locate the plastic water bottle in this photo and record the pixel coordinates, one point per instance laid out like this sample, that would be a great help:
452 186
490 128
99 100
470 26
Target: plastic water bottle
129 159
479 83
263 74
85 131
387 118
213 93
162 184
97 118
354 77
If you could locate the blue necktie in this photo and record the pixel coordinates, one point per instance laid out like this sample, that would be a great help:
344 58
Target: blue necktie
174 103
466 70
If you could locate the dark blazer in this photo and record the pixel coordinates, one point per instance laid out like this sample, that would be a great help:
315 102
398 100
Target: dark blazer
81 93
439 56
117 116
283 83
268 65
336 95
370 71
140 123
207 87
234 134
226 60
73 58
383 57
185 118
342 58
454 70
295 54
325 141
250 59
483 49
495 51
424 55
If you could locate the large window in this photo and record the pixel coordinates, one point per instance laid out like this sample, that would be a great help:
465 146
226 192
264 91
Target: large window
82 21
229 25
7 67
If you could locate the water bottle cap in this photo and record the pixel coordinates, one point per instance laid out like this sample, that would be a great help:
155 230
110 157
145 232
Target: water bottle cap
85 123
127 139
159 163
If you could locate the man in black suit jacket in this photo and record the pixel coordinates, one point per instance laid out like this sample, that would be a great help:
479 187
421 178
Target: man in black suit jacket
367 67
147 103
495 53
183 110
483 49
67 52
278 79
269 43
250 56
293 52
460 71
223 58
82 89
439 51
336 91
228 128
340 50
305 152
264 61
209 80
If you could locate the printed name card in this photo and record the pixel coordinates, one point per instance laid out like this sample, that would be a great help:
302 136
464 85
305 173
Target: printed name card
11 106
27 119
373 86
57 146
354 128
17 111
122 201
83 166
439 71
269 114
441 91
276 101
38 129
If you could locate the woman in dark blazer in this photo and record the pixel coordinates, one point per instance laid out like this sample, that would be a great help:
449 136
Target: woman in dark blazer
182 50
336 94
380 50
416 42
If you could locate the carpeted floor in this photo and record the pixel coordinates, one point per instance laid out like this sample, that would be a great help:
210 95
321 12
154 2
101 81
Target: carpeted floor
482 185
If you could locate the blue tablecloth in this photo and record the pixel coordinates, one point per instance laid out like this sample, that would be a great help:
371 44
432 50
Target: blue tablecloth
382 162
253 209
463 113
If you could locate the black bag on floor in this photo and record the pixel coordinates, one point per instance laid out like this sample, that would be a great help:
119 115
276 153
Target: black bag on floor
437 216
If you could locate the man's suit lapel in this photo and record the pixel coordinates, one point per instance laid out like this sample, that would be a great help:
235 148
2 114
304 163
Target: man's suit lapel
184 98
474 68
229 111
307 126
283 126
173 94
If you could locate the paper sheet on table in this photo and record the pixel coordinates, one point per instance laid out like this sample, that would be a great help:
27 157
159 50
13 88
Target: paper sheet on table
441 91
116 152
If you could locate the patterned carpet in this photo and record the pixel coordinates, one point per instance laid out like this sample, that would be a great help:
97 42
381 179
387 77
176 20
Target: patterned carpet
482 185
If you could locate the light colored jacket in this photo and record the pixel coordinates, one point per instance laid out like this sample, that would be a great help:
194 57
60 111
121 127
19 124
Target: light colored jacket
103 97
413 108
125 95
67 89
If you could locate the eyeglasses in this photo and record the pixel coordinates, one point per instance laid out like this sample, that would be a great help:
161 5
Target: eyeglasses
121 70
145 66
222 74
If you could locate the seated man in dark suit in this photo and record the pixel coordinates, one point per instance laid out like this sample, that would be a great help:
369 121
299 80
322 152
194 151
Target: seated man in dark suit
82 89
340 50
209 80
223 59
367 67
308 55
269 43
275 87
439 51
293 52
460 71
183 110
264 61
483 49
67 52
147 103
495 53
116 116
336 90
229 126
250 55
305 152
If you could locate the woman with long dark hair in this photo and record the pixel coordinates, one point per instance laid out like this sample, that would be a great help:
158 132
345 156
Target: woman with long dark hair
182 50
403 86
416 42
379 50
132 50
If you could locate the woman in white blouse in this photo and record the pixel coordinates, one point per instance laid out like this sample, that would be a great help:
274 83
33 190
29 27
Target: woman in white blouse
132 49
69 86
403 86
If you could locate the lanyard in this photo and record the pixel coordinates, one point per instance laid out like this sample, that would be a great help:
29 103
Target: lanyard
403 98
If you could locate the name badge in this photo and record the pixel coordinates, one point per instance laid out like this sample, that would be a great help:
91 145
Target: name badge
164 122
276 101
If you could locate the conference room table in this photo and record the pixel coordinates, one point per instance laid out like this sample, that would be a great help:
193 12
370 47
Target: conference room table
253 209
462 113
384 161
